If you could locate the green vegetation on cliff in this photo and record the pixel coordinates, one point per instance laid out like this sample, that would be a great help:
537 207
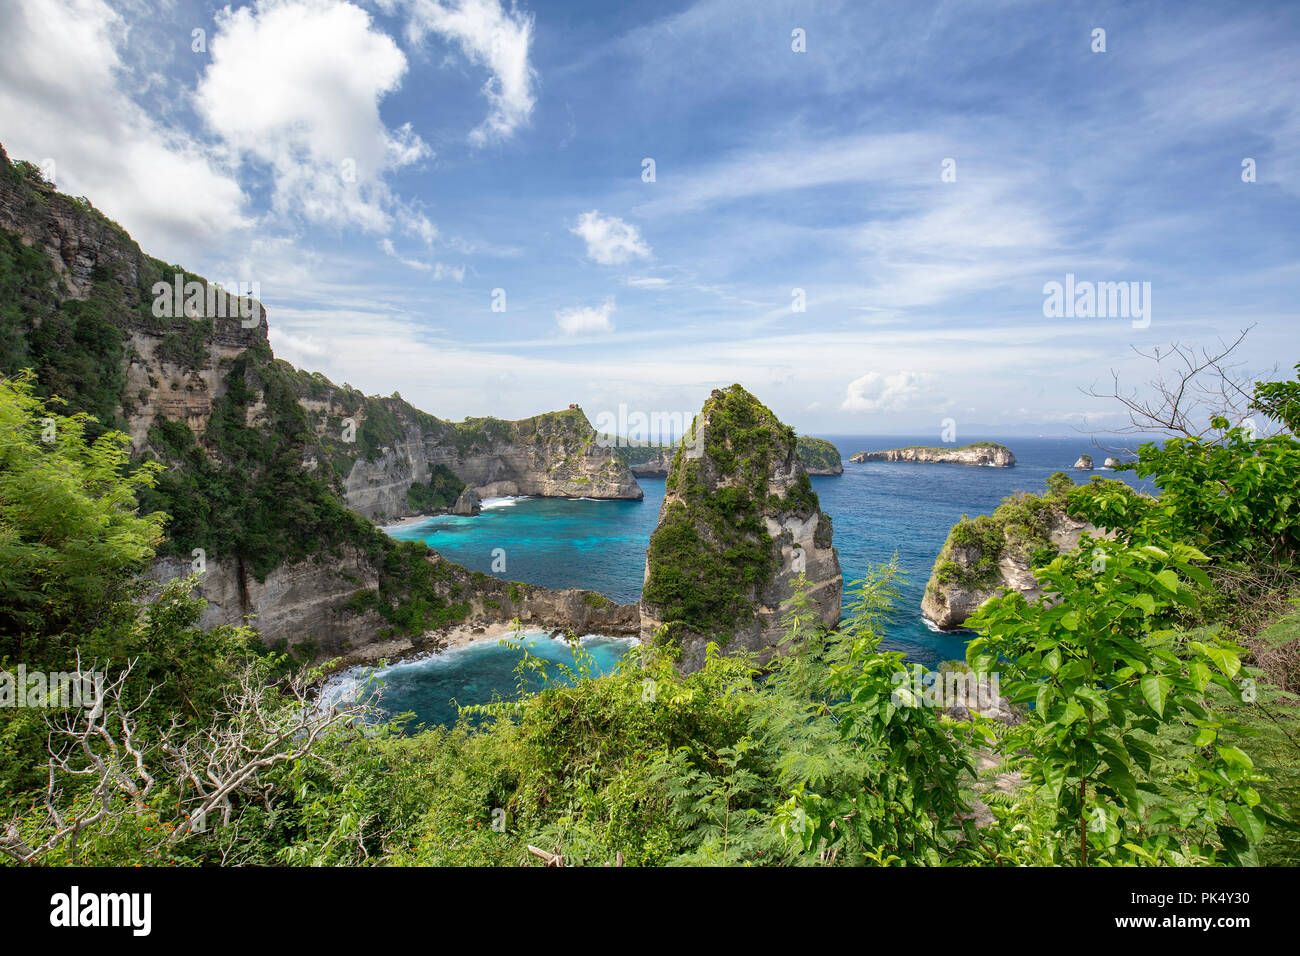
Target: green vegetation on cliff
1022 523
818 453
711 555
440 491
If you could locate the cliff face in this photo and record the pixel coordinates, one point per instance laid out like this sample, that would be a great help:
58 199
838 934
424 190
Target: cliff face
245 481
326 605
655 467
983 557
981 453
739 525
378 447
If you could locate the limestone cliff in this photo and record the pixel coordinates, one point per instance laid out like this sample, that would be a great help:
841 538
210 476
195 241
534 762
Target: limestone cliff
655 466
739 525
1083 463
990 554
987 453
298 605
379 447
256 476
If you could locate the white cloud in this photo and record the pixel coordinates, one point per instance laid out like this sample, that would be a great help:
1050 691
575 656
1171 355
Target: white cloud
440 270
61 98
610 240
387 247
586 318
647 282
296 85
492 37
879 392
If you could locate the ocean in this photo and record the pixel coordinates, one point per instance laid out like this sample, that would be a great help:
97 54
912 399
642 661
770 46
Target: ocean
878 509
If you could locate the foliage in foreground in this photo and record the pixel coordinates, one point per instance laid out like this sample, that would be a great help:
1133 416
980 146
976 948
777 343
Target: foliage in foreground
1139 741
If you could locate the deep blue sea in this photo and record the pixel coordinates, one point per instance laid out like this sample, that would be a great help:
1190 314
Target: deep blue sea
878 508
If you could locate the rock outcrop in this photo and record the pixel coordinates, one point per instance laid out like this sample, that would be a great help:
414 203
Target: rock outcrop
655 466
321 606
467 504
986 453
739 526
1083 463
378 447
819 456
1112 463
990 554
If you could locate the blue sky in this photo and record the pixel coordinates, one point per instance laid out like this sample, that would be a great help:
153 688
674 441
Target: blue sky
380 168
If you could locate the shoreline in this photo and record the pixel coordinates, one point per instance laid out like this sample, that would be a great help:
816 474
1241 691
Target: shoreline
434 643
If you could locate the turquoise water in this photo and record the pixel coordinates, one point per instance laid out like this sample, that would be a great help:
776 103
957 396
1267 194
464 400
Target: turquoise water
878 508
431 687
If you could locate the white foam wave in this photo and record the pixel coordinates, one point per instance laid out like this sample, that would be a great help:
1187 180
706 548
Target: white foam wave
489 504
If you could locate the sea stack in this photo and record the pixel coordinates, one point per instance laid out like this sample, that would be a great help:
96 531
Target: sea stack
1112 464
738 526
467 504
1084 463
991 554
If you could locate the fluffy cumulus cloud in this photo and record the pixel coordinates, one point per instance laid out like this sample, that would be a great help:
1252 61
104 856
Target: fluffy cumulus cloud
610 240
295 85
492 37
62 99
881 392
586 318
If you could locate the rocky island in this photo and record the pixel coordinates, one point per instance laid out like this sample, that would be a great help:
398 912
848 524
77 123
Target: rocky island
988 453
1083 463
819 456
992 553
739 525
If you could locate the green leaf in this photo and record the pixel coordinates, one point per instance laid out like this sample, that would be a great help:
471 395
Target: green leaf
1145 602
1155 688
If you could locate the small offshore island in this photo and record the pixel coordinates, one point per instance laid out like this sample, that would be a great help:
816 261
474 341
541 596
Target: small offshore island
988 453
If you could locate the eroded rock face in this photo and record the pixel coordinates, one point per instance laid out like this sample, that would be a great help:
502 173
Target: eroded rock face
739 525
989 454
656 467
993 554
306 604
467 504
554 455
1083 463
303 604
